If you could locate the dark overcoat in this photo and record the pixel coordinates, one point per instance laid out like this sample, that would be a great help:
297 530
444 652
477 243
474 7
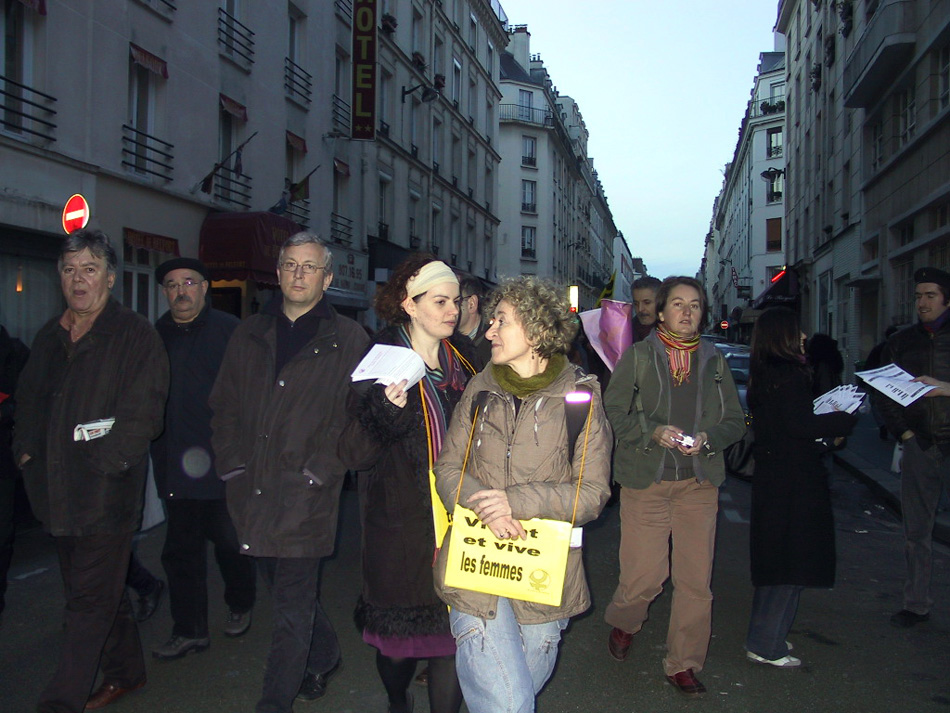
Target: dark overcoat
792 524
388 446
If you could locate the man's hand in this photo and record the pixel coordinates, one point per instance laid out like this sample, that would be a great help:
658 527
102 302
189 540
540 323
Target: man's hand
24 459
943 387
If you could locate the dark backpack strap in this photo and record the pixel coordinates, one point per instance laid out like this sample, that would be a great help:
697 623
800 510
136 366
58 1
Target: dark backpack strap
576 414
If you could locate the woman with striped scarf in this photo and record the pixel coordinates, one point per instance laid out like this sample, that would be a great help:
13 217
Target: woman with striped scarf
393 439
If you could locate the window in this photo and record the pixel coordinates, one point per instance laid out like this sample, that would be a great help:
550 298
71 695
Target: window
825 302
490 61
773 235
906 115
13 38
472 32
385 205
436 143
776 186
529 192
529 151
877 145
417 32
437 59
525 103
293 33
774 137
436 230
472 101
140 116
140 293
938 255
456 82
528 234
904 291
943 76
905 233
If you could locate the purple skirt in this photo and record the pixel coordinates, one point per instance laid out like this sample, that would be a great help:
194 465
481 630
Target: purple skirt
413 647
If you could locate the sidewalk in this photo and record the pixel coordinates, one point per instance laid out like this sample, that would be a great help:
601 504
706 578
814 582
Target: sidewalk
868 458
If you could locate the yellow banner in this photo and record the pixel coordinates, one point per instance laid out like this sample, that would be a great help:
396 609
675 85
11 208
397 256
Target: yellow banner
530 570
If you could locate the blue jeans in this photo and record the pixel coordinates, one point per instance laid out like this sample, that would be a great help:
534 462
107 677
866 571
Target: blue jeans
773 611
502 665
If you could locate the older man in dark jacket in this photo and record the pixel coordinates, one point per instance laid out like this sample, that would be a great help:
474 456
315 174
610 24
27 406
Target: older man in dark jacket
89 401
278 411
923 350
195 336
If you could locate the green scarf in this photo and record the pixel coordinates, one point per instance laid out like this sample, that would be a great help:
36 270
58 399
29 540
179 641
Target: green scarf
521 387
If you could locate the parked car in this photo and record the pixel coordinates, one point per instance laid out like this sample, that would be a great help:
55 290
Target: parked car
737 357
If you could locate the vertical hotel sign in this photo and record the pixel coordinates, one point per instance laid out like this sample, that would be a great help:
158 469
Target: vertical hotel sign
364 70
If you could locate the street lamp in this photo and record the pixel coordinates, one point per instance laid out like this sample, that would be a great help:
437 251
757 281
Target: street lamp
428 93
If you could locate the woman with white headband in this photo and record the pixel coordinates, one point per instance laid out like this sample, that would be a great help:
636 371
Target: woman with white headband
393 439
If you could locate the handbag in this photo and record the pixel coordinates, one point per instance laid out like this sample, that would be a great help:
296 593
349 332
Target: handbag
739 460
531 570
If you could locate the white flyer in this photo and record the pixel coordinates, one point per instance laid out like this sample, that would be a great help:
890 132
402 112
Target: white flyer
93 429
893 381
845 398
390 364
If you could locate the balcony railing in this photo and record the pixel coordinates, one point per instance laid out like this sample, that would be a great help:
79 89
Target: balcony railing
146 154
881 53
528 253
235 40
767 107
341 228
232 187
529 207
526 114
341 115
299 212
529 161
344 8
26 110
774 151
298 83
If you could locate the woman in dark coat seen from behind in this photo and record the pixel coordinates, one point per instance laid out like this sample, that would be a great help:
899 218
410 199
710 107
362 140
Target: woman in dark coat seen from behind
792 524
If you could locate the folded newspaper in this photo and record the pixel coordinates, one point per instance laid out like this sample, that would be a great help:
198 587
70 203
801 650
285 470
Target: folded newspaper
390 364
845 398
93 429
893 381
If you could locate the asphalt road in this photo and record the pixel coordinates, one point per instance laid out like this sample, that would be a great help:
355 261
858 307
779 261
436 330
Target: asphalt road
854 661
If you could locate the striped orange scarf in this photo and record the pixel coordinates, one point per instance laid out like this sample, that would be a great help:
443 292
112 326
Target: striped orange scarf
679 351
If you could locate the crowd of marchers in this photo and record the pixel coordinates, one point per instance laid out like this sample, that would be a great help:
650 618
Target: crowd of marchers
245 430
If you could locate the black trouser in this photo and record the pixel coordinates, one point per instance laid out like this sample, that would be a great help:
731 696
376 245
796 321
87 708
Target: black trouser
99 628
7 531
303 639
191 524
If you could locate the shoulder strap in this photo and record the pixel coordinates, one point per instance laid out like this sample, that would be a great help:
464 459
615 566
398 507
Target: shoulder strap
478 404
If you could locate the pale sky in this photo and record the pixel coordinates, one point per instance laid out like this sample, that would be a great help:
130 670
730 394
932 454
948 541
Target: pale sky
662 88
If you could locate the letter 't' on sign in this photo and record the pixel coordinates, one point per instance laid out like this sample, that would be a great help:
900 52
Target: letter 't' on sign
75 213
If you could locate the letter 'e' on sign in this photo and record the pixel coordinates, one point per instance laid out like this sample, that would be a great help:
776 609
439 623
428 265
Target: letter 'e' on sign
75 213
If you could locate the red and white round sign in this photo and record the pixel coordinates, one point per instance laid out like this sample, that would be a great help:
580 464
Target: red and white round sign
75 213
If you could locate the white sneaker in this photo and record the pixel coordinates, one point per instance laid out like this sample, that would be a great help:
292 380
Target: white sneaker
784 662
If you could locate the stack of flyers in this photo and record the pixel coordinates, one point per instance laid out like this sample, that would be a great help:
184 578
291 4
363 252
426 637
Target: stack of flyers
841 398
93 429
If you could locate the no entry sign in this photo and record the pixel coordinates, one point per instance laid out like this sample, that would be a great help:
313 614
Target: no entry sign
75 213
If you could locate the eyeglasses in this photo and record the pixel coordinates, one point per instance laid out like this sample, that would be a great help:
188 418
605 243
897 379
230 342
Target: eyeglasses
186 283
308 268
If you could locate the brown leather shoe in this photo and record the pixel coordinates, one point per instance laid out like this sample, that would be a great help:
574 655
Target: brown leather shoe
618 644
108 693
687 684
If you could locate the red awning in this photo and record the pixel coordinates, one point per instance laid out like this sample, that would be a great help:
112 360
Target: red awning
244 246
296 142
232 107
38 5
148 60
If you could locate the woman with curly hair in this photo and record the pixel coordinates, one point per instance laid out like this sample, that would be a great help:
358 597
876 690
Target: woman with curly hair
521 466
394 436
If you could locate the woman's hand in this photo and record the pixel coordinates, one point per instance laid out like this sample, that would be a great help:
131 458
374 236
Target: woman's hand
667 436
396 393
699 441
943 387
493 510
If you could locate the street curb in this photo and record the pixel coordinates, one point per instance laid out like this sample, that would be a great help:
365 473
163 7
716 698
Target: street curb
884 484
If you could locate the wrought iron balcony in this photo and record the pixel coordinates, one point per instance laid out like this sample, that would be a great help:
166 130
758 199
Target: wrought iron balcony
881 53
235 40
341 228
24 110
146 154
341 115
232 188
298 83
299 212
526 114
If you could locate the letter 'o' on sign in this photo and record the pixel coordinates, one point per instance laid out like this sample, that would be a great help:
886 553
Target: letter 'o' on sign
75 214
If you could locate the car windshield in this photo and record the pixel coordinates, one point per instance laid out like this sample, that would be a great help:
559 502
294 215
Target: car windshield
739 366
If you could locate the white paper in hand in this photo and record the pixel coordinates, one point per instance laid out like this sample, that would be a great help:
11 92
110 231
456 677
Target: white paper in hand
893 381
389 364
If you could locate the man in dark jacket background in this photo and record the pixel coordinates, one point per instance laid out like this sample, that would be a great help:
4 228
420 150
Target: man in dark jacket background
279 408
923 427
85 477
195 336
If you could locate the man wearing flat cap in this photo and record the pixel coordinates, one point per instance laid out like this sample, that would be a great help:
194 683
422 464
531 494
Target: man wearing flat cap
279 407
195 336
923 350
